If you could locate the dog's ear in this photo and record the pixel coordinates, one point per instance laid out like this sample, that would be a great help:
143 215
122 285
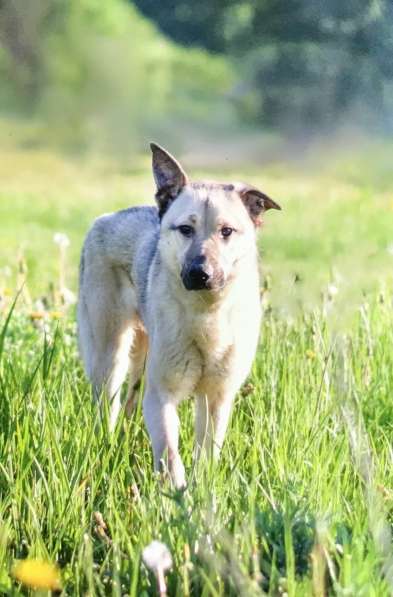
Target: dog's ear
169 176
255 202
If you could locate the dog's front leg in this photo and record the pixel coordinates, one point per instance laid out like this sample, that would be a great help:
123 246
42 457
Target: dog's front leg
162 424
212 416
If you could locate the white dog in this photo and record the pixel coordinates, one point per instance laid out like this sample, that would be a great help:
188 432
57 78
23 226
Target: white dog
178 287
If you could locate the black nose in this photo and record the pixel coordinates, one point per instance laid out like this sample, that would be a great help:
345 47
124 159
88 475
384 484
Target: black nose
195 276
198 276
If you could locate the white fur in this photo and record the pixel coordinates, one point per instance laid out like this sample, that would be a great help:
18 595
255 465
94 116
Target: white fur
200 343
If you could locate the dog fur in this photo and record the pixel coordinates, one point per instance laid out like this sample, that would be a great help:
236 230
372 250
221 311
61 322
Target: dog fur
177 287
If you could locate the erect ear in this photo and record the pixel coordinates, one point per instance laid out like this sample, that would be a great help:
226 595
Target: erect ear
169 176
255 202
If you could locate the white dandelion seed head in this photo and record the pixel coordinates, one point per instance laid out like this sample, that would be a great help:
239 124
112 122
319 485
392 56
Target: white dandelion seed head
68 296
61 240
156 556
332 290
6 271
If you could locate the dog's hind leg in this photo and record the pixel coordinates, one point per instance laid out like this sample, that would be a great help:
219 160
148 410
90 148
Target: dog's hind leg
118 364
138 354
107 319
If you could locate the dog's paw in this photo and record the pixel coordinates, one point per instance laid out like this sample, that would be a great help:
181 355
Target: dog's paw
178 474
174 472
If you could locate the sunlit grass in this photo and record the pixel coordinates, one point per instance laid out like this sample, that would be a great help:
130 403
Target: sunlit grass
335 226
302 499
287 470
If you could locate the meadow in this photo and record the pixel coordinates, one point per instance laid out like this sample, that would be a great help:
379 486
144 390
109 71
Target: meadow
301 502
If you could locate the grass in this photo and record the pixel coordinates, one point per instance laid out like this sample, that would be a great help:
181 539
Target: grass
302 500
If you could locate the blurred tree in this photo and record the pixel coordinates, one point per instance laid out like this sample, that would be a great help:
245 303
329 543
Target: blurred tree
189 23
20 25
299 61
24 29
97 74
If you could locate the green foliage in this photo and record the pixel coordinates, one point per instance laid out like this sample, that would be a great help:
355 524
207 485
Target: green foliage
99 74
270 528
250 523
289 494
103 77
299 63
181 20
337 211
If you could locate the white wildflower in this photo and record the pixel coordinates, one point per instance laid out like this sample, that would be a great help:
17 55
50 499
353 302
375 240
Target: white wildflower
61 240
332 290
6 271
157 558
68 297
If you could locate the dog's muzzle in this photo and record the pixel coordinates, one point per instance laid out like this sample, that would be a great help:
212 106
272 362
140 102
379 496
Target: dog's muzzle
195 275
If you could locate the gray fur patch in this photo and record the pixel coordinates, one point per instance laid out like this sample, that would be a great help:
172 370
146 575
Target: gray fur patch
143 268
82 266
213 186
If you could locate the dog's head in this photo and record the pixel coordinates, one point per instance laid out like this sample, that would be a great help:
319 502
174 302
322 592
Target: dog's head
207 228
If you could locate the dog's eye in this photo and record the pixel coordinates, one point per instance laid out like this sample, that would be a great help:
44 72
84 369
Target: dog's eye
186 230
226 231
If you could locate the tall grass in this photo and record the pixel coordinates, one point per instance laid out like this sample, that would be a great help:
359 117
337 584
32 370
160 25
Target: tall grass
301 501
288 495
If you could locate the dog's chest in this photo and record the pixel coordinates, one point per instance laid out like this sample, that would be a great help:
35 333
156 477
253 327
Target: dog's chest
213 341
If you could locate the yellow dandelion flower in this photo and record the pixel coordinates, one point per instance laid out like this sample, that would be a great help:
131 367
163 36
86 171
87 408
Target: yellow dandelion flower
37 314
56 314
37 574
310 354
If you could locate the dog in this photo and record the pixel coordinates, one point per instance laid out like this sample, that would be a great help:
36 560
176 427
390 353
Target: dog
174 289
